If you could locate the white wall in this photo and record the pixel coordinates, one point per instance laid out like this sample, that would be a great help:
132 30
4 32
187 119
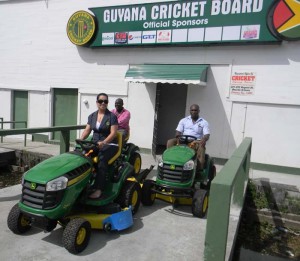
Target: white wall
5 112
276 131
37 55
141 104
215 108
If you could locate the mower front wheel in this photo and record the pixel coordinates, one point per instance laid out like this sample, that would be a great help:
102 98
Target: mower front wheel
76 235
200 203
130 196
148 197
17 222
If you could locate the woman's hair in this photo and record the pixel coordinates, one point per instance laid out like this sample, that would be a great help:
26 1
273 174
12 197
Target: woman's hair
102 94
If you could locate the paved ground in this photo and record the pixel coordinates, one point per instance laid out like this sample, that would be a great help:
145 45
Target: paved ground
159 232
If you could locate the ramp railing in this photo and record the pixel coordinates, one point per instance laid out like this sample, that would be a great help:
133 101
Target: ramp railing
64 133
25 125
226 201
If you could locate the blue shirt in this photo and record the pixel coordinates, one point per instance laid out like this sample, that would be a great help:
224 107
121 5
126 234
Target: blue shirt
198 129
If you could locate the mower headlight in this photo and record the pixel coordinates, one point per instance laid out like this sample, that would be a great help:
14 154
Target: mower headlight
23 178
57 184
160 162
188 165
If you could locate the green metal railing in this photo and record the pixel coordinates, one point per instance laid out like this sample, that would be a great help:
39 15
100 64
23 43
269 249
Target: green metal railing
25 123
1 119
64 130
227 193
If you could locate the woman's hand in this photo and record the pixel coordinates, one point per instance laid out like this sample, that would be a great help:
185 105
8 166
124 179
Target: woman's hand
101 144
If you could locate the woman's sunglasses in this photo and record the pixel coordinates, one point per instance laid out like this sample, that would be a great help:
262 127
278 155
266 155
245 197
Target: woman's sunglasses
102 101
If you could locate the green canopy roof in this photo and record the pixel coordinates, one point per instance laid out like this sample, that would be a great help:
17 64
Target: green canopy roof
168 73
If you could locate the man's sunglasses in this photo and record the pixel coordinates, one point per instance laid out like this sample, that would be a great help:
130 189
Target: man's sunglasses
101 101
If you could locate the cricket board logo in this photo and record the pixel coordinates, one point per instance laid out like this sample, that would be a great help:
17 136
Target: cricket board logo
81 28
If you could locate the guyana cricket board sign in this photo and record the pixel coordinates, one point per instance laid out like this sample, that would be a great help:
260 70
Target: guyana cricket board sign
187 23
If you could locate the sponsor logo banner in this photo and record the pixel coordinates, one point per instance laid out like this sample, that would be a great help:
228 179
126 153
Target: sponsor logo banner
135 37
121 38
194 22
108 38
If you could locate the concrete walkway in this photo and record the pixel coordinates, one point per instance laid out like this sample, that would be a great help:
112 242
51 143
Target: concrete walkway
159 232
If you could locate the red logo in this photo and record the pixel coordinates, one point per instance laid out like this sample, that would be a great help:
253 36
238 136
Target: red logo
121 38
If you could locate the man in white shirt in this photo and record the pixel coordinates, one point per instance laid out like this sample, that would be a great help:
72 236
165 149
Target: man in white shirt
195 126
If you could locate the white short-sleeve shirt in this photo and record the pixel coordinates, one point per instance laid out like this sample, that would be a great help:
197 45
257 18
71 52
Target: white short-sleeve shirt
198 129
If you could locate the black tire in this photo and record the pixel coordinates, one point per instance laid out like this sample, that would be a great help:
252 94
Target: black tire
136 161
130 196
17 222
200 203
76 235
210 176
148 197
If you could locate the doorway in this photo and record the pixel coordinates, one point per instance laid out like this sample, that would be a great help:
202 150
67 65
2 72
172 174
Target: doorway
65 110
170 108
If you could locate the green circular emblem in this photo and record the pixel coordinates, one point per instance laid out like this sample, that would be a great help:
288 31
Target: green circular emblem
81 28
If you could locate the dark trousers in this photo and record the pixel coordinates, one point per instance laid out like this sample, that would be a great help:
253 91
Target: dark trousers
104 156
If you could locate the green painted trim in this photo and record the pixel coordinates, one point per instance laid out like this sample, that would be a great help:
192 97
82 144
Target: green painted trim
275 168
265 167
40 137
146 151
220 161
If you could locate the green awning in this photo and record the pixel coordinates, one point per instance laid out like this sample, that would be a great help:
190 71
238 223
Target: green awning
168 73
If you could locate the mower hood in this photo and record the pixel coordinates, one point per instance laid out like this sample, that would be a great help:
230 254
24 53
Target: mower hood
55 167
178 155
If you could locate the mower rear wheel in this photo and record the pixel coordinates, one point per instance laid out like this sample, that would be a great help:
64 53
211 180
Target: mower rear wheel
200 203
136 161
76 235
148 197
17 222
130 195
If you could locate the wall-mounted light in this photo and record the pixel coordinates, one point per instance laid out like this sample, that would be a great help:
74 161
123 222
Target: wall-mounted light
85 101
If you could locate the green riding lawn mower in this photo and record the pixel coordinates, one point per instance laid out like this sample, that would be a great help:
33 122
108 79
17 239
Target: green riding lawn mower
178 181
56 192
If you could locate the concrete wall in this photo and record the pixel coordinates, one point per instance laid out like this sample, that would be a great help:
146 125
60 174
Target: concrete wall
37 56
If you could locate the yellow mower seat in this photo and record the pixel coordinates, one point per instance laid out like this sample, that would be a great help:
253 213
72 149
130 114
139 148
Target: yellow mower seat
119 138
126 138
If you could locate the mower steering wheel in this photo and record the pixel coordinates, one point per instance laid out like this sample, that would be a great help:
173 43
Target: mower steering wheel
186 139
86 144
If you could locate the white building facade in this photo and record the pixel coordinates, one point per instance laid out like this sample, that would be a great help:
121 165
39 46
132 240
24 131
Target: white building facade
39 59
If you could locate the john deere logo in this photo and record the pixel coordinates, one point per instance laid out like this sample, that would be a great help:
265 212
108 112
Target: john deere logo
172 167
33 186
284 19
81 28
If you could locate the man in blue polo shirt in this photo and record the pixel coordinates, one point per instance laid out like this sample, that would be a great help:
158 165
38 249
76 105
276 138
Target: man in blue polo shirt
195 126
